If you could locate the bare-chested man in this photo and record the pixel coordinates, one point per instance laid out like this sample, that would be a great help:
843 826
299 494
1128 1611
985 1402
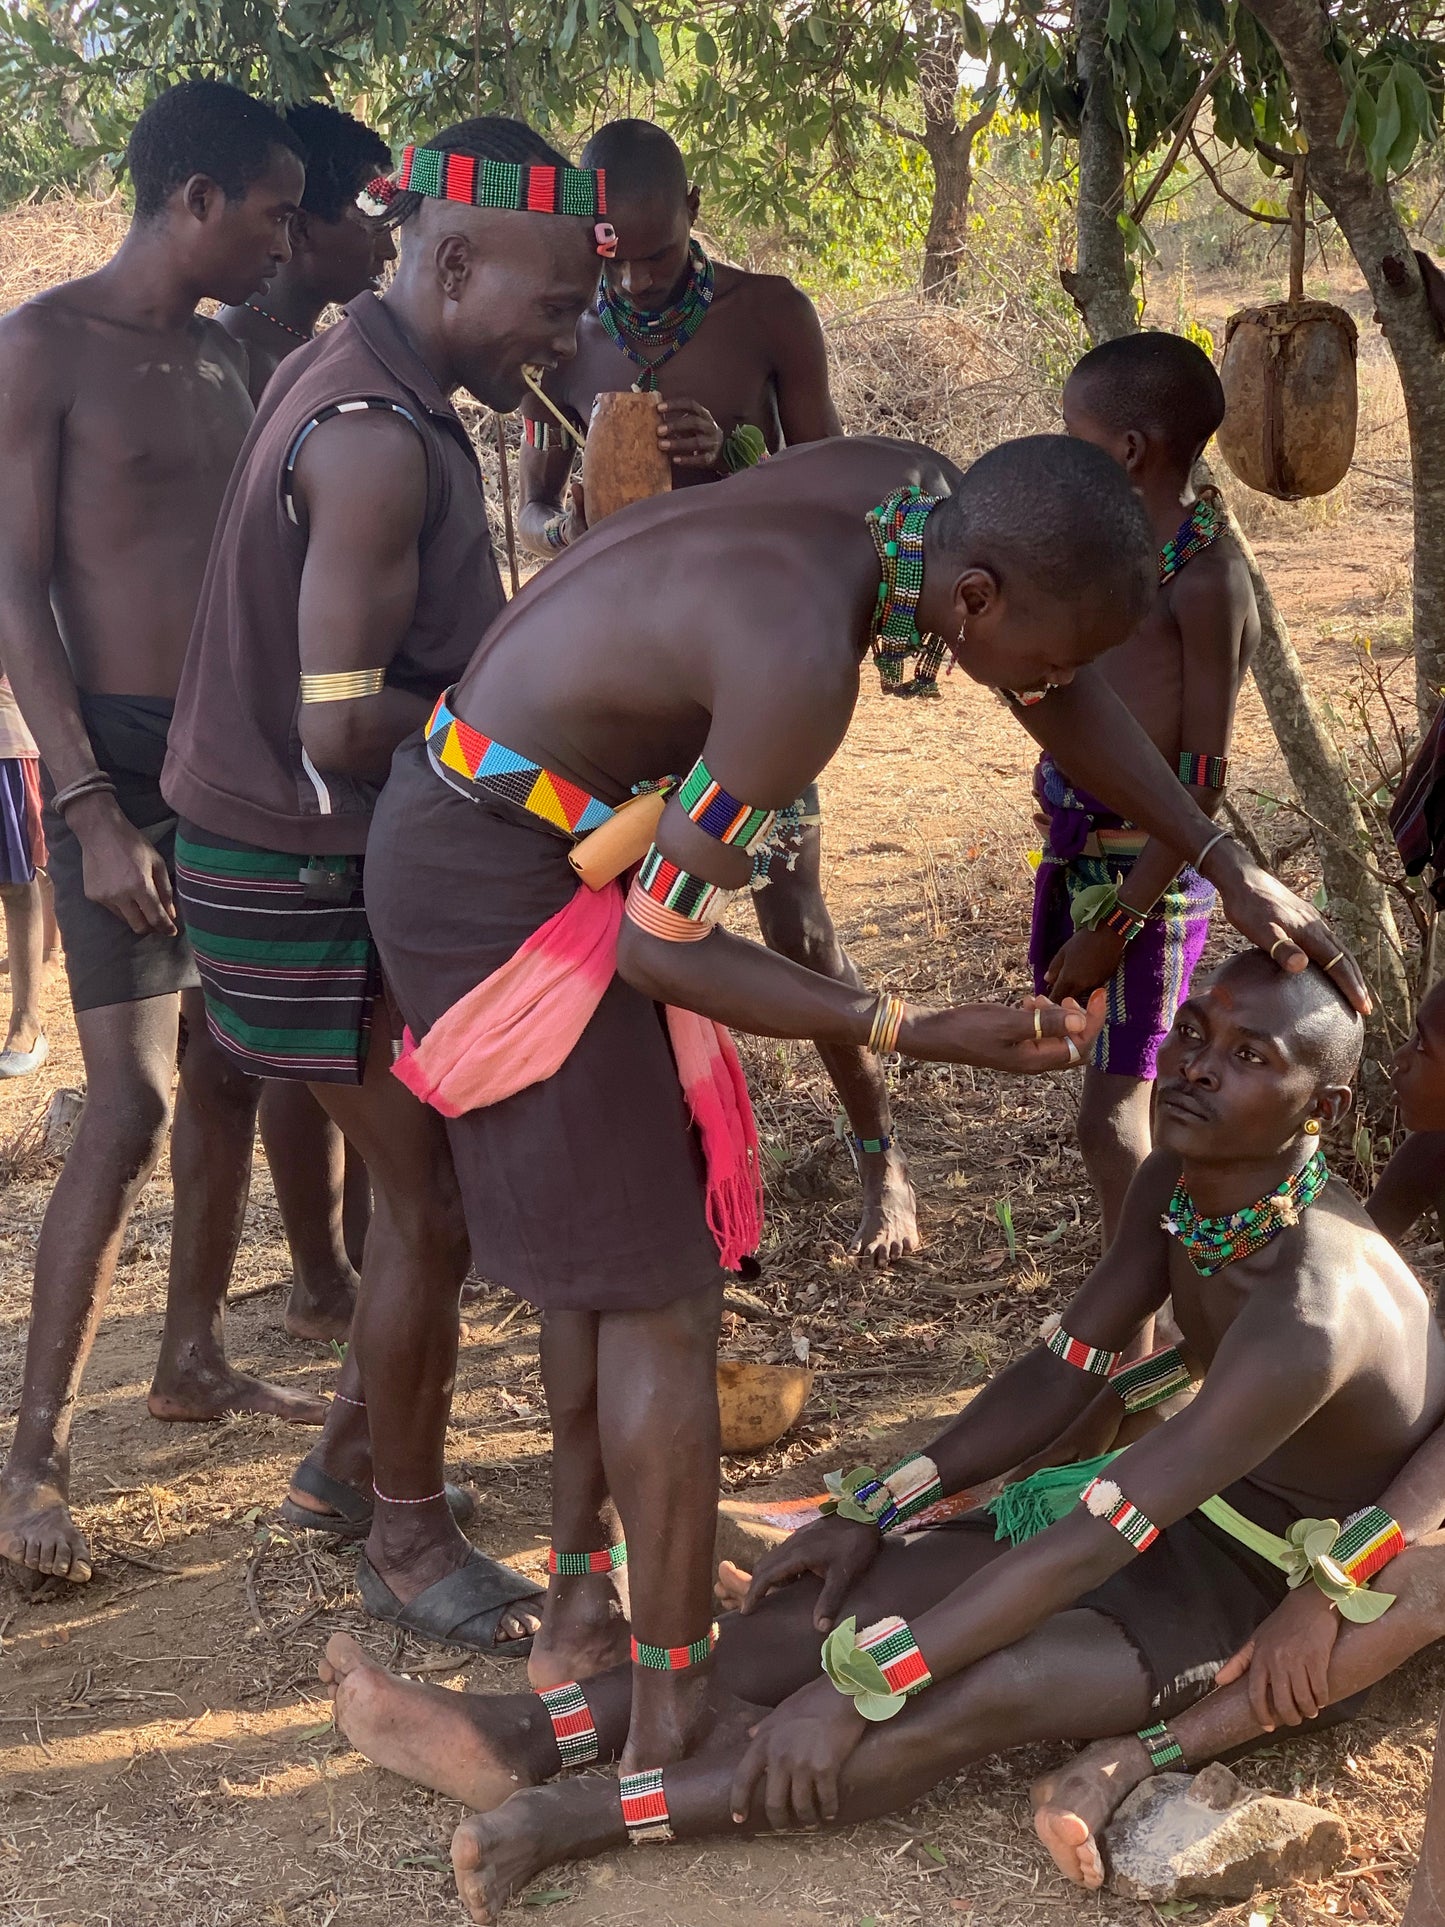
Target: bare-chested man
740 366
1093 1595
121 413
567 1125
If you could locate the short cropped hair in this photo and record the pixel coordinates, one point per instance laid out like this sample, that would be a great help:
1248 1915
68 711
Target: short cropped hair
1316 1014
1159 383
341 154
641 161
490 137
202 127
1057 512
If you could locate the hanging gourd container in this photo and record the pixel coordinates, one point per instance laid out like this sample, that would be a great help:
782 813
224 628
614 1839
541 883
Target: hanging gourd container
1290 392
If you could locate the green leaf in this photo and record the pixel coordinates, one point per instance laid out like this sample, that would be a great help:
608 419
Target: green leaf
327 1727
1117 23
1387 126
879 1706
626 18
933 1853
705 47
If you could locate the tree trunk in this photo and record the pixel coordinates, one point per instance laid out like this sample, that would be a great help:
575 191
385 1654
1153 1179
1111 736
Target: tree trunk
949 143
1366 214
1101 285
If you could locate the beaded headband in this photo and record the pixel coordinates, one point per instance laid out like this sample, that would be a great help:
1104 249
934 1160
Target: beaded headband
446 176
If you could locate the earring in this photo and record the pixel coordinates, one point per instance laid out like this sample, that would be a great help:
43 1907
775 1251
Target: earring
1312 1127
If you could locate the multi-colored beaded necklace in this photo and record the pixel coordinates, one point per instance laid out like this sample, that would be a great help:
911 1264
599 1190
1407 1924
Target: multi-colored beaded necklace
275 320
1213 1243
897 527
651 340
1206 521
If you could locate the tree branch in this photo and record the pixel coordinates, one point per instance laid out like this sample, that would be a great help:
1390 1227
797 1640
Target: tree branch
1270 220
1185 129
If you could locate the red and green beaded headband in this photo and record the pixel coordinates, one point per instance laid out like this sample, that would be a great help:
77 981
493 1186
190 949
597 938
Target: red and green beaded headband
446 176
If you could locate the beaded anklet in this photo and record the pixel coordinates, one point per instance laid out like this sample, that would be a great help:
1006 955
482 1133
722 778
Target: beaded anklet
342 1399
719 815
1213 1243
1093 1359
1161 1746
572 1565
878 1669
1369 1539
674 1659
430 1499
1103 1498
1201 771
1149 1381
644 1807
573 1727
888 1503
873 1146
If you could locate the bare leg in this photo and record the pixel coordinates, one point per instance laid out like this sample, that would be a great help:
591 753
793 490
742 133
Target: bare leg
1074 1805
211 1170
355 1205
404 1335
1114 1137
307 1156
25 937
794 921
1075 1675
584 1625
1412 1183
129 1053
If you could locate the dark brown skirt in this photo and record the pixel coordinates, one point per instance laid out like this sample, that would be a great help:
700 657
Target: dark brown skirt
583 1193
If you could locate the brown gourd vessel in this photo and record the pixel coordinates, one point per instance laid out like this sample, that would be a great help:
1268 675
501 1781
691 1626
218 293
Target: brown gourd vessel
621 462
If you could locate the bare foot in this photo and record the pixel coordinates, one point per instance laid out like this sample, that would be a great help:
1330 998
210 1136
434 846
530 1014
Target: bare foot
202 1394
494 1855
584 1630
478 1749
320 1318
37 1531
889 1226
1073 1806
732 1585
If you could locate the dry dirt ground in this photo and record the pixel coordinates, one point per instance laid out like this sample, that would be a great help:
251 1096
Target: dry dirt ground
166 1756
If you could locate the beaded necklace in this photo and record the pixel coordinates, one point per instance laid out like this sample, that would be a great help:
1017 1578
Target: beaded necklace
1213 1243
275 320
897 527
669 330
1205 523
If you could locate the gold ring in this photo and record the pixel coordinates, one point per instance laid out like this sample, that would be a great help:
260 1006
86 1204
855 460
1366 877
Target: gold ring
1276 944
1334 960
1038 1025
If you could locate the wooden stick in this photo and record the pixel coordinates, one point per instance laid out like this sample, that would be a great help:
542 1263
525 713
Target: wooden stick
507 503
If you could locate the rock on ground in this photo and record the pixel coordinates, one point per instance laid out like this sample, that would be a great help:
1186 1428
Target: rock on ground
1206 1836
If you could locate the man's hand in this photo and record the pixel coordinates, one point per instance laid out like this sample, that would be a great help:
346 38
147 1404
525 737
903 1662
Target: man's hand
1275 920
1036 1036
797 1753
1086 961
1288 1660
837 1551
122 870
576 514
688 435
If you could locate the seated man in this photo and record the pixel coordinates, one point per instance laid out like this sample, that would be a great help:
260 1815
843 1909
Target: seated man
1127 1583
1306 1656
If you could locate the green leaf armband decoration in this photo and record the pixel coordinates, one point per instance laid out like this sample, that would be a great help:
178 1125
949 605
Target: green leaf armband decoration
887 1501
1311 1542
745 447
859 1495
879 1669
1089 907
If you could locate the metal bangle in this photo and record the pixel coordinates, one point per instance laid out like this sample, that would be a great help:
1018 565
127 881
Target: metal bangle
342 685
1220 836
95 782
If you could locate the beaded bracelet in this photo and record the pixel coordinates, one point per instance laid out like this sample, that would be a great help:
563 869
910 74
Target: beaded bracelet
1122 922
1093 1359
674 1659
573 1727
572 1565
879 1668
1103 1498
554 531
1202 772
1161 1746
1149 1381
1369 1540
644 1807
888 1502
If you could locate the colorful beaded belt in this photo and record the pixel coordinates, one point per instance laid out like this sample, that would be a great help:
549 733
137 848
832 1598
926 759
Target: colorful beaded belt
458 751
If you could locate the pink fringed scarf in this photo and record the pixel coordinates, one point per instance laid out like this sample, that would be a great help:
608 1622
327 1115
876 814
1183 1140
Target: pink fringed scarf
521 1024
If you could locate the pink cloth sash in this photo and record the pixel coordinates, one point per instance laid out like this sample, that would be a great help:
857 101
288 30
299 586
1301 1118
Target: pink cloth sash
520 1025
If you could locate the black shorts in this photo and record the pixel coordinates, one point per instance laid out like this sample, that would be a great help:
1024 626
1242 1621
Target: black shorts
105 961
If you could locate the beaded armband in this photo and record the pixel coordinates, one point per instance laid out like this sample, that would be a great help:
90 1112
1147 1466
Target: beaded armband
666 883
1092 1359
644 1807
720 815
1161 1746
674 1659
1103 1498
1369 1539
571 1565
573 1727
887 1502
554 532
1122 921
879 1668
1149 1381
541 435
1202 772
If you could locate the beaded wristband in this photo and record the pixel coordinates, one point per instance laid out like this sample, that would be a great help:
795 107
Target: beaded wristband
878 1669
1369 1539
540 435
872 1145
572 1724
719 815
554 531
1149 1381
674 1659
887 1022
572 1565
1104 1499
668 884
644 1807
1122 922
891 1643
1092 1359
1161 1746
1202 772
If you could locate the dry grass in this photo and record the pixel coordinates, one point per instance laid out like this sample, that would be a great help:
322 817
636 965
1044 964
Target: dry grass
56 239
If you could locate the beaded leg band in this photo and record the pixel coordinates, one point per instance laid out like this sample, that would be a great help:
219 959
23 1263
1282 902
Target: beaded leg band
572 1723
644 1807
674 1659
872 1145
572 1565
1161 1746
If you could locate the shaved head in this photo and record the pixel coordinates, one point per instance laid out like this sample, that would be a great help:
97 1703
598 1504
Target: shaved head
1315 1021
